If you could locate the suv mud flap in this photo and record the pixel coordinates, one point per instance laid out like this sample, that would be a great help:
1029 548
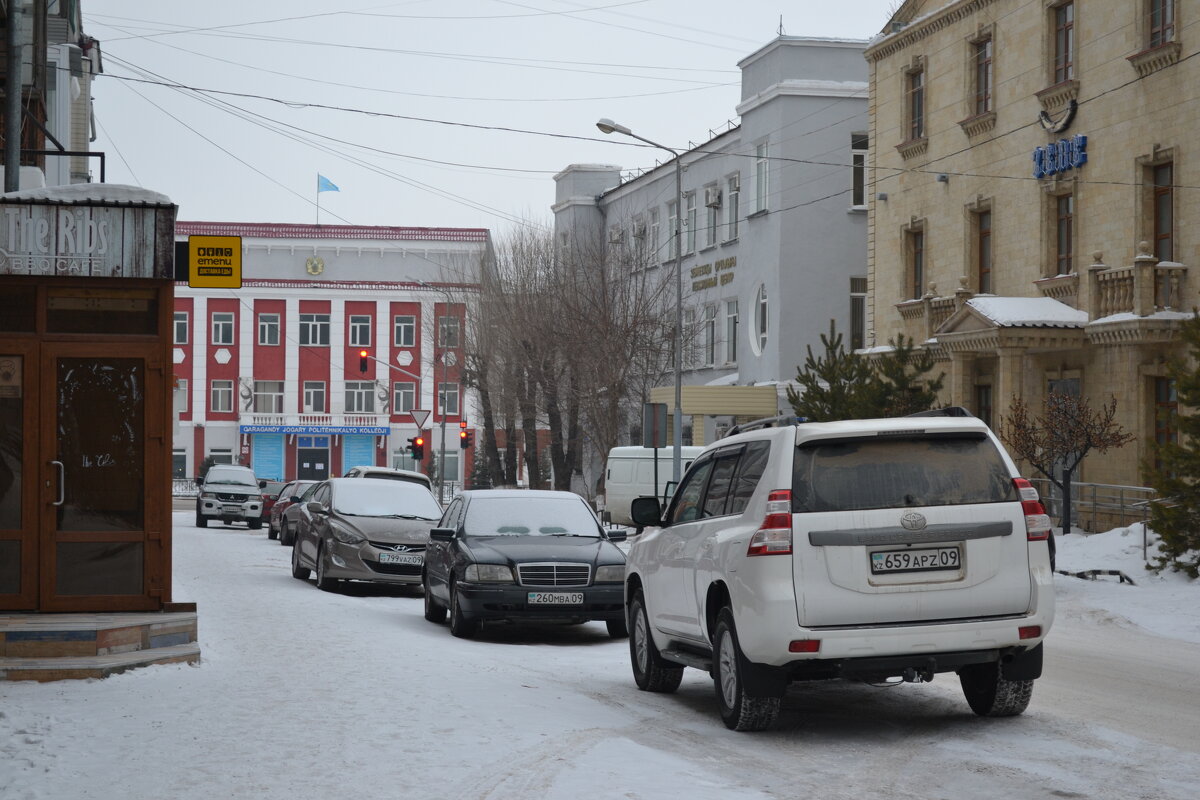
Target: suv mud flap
1024 666
763 680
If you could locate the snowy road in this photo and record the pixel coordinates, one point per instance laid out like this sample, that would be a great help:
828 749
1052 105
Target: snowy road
308 694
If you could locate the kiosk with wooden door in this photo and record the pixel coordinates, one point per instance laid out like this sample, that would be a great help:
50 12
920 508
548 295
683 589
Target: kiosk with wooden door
86 287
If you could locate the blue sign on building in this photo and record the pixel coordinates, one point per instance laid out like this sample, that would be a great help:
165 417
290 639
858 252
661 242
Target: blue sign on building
340 430
1060 156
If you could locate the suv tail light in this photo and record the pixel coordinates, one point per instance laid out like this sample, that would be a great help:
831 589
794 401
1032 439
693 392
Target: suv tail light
1037 521
774 536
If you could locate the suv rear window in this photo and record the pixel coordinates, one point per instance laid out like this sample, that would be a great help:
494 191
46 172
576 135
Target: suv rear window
847 475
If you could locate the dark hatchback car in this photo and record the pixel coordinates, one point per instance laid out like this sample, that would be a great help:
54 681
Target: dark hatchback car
517 555
289 494
295 512
270 495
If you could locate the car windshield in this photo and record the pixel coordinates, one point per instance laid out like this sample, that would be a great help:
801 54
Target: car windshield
231 477
530 516
366 498
272 489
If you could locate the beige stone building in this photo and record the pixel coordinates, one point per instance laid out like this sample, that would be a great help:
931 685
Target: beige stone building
1032 187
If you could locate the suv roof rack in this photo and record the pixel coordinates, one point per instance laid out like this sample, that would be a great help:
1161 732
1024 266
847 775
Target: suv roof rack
765 422
948 411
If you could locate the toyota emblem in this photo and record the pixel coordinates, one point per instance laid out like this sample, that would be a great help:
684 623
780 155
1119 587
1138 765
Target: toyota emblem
912 521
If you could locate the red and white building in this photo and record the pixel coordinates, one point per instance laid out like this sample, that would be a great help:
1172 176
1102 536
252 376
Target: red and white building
270 374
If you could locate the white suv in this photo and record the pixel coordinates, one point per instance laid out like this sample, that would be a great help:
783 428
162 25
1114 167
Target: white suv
230 493
864 550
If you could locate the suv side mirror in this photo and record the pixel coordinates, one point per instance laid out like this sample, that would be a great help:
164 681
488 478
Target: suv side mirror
616 535
441 534
262 484
646 511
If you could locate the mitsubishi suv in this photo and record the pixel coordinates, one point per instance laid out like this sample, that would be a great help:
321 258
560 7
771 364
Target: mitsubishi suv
230 493
869 550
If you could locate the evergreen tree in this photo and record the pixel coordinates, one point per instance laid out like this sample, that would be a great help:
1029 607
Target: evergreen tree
835 385
900 385
1176 518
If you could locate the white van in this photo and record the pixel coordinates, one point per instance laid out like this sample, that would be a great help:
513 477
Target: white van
630 474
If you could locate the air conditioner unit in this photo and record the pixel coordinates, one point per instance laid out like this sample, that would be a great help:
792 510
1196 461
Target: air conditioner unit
712 197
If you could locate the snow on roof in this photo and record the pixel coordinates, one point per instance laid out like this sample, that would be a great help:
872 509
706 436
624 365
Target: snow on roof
1036 312
725 380
1126 316
89 193
285 230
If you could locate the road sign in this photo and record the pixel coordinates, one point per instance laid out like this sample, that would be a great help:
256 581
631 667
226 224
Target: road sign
420 416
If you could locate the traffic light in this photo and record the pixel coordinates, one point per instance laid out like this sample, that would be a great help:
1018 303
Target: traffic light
418 447
464 437
363 357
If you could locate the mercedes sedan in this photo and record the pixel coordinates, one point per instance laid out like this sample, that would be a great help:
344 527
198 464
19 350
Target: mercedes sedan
364 529
518 555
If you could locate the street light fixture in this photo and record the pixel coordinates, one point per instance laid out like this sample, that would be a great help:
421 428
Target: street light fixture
608 126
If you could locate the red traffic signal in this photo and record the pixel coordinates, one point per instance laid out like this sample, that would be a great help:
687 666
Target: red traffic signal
363 357
418 447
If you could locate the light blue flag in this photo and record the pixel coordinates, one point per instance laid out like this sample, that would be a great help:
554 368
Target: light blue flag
325 185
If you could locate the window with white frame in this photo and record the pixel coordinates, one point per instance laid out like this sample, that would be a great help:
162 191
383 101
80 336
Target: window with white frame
268 397
360 397
762 173
404 330
221 455
179 464
404 397
761 321
672 227
731 331
181 327
858 170
733 199
402 459
448 399
314 330
180 395
691 340
858 313
451 467
689 203
712 209
360 330
653 238
314 397
710 335
222 327
221 396
448 331
268 329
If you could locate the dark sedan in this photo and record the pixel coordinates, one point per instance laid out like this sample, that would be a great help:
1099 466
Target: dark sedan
289 510
364 529
516 555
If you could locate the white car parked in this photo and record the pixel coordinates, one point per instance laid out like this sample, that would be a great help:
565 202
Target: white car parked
864 550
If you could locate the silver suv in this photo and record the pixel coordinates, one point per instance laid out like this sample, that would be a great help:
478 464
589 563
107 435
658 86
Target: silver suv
868 550
230 493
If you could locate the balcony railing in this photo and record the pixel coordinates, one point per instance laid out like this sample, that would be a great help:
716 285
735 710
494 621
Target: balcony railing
1148 286
317 420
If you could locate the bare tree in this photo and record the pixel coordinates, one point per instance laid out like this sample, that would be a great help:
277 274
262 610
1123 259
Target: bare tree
1056 441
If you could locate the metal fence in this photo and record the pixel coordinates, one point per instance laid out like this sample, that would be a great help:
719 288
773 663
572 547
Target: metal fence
1098 506
184 487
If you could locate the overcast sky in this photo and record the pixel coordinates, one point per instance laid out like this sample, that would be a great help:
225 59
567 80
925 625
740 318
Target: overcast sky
426 112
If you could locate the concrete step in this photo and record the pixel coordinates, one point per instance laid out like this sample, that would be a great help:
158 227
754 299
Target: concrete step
62 668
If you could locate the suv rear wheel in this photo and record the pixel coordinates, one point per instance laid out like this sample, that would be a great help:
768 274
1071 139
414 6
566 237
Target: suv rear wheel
740 710
651 672
990 694
201 520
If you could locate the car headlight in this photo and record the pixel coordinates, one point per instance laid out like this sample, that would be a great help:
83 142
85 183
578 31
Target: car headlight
208 495
489 573
346 536
612 573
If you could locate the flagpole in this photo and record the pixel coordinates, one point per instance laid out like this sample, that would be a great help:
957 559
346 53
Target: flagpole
318 199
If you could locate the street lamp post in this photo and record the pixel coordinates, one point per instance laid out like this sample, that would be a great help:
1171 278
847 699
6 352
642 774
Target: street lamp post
439 390
608 126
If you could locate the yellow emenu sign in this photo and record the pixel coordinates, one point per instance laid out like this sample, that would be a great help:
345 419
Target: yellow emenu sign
215 262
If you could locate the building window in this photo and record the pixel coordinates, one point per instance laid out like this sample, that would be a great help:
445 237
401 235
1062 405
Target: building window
450 467
360 397
1162 22
710 335
221 395
402 459
314 330
858 169
222 327
712 208
673 229
1166 410
181 327
983 404
916 105
858 313
733 208
448 399
180 396
268 397
761 327
314 397
404 331
360 331
448 332
915 251
1064 223
221 456
983 76
268 329
690 336
761 178
179 464
1064 42
404 397
653 237
731 331
983 251
1164 217
689 204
